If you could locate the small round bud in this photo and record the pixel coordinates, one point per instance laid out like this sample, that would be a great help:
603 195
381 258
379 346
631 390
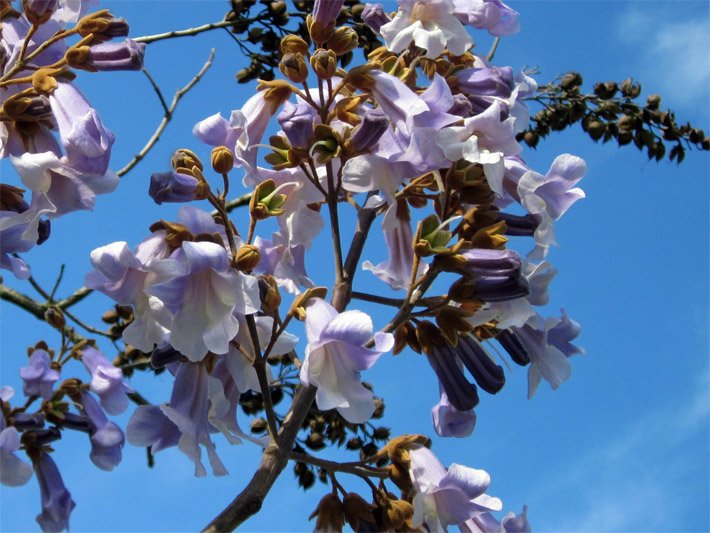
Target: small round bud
294 67
324 63
55 318
247 257
222 160
343 40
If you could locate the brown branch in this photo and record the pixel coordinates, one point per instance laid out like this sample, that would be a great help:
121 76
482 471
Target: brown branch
167 117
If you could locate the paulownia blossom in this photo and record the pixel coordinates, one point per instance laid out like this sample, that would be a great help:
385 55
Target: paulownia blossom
335 356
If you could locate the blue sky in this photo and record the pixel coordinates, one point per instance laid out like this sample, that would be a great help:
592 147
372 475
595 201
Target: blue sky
622 446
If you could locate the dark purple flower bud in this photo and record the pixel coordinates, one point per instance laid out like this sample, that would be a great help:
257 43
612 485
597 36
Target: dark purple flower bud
326 11
488 375
461 393
515 348
374 16
27 421
76 422
126 55
23 108
483 262
43 437
164 356
297 123
172 187
57 504
501 289
374 124
462 106
39 11
520 226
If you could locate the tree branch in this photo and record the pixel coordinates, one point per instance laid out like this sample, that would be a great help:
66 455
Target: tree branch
167 117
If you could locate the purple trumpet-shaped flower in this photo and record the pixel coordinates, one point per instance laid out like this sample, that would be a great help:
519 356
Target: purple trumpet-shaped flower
125 55
57 504
172 187
488 375
485 85
461 393
336 355
182 422
446 497
449 421
520 225
107 439
297 121
326 11
374 16
39 377
492 15
85 139
512 344
106 381
20 229
203 293
368 132
13 471
547 344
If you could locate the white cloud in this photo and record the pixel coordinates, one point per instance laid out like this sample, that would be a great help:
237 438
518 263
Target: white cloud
674 52
637 480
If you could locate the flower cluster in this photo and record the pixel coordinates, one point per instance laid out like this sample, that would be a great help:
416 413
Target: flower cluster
50 132
34 431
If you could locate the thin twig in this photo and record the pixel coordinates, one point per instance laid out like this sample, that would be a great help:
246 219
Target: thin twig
190 31
394 302
493 49
56 283
260 368
357 469
157 90
168 115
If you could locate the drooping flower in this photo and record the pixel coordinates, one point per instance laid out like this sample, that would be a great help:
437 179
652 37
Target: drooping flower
492 15
431 25
106 381
57 503
487 523
335 356
39 377
449 421
182 422
107 439
447 497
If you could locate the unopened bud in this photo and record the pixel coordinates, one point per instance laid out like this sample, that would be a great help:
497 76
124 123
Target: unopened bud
329 513
185 158
294 67
368 133
247 258
322 22
343 40
222 160
103 26
294 44
172 187
359 513
126 55
55 318
324 63
269 293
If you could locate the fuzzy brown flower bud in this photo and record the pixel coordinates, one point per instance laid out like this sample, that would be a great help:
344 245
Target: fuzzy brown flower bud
293 44
294 67
324 63
344 40
247 257
329 513
185 158
222 160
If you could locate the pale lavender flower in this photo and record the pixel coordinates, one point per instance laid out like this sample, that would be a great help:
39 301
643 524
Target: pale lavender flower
447 497
57 504
172 187
487 523
106 381
374 16
365 136
183 421
297 121
13 471
86 141
492 15
107 439
336 355
547 345
430 24
449 421
202 292
39 377
554 193
20 230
